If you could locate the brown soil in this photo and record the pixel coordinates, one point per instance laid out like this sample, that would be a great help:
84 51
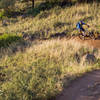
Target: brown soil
85 88
94 43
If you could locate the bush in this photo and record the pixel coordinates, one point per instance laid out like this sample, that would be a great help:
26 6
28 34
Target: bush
2 14
7 39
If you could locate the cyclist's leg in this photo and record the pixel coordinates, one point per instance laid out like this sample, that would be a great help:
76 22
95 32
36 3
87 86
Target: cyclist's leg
80 31
83 31
81 36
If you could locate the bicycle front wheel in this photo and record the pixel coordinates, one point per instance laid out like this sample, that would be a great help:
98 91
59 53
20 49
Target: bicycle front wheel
92 36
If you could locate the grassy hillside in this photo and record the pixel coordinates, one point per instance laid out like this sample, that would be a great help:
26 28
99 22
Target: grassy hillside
38 70
38 73
55 20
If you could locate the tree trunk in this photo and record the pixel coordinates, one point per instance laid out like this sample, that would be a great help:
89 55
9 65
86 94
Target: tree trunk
32 3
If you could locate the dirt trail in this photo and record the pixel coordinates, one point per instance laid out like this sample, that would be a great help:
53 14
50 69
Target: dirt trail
94 43
85 88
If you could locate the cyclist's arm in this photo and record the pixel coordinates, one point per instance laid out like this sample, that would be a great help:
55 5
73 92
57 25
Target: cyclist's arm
85 24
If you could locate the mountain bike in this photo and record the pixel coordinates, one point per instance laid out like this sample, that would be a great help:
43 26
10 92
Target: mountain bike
88 34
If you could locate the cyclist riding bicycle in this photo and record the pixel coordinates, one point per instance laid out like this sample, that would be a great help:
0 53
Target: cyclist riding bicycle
79 26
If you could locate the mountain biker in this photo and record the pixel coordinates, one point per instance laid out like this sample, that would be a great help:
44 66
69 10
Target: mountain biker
79 26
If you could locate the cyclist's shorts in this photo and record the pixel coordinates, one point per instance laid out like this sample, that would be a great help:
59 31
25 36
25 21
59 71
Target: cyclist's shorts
82 29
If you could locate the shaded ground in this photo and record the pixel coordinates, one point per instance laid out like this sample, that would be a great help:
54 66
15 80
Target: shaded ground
85 88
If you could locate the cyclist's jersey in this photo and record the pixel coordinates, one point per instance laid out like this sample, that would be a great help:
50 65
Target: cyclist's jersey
79 25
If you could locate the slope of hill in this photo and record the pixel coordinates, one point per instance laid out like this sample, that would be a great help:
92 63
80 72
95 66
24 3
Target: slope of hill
55 20
39 69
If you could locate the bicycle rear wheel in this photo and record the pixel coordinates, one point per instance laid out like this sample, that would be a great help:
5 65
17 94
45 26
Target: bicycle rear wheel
81 36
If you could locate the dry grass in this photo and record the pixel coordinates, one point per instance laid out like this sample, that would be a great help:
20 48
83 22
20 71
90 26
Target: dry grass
67 16
39 72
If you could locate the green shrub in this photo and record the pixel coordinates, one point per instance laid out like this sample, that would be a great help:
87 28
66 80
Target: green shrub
2 14
7 39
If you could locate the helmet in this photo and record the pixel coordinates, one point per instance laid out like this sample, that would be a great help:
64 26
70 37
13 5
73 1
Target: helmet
80 21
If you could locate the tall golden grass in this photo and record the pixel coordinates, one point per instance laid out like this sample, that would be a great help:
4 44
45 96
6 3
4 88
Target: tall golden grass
39 72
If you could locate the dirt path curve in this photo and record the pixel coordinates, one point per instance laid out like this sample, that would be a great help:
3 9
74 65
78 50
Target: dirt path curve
85 88
94 43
